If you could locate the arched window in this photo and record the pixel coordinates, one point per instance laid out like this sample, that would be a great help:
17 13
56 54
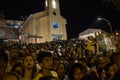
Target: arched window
46 3
54 4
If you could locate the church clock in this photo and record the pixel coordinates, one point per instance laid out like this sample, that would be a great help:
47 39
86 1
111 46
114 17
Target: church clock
55 25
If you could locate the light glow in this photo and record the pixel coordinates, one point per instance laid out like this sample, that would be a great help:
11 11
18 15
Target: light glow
46 3
54 4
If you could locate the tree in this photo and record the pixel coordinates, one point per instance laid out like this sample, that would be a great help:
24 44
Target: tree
115 3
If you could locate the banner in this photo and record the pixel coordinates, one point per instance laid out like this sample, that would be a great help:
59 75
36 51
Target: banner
9 33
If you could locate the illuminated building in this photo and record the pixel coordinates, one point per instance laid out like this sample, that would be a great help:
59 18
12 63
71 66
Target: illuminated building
47 25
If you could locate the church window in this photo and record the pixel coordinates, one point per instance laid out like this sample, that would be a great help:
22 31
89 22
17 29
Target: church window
54 4
46 3
54 13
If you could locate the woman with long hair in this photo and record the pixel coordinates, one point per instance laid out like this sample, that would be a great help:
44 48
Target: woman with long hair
29 66
77 71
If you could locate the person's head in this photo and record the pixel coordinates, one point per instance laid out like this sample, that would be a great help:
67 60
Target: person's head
100 63
10 76
14 56
92 60
29 64
18 68
115 59
45 60
109 70
77 71
3 61
14 53
28 61
61 69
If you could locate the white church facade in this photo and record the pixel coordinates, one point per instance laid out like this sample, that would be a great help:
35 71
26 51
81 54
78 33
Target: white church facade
47 25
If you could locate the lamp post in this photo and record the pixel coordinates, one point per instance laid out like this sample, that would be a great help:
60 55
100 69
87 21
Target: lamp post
108 22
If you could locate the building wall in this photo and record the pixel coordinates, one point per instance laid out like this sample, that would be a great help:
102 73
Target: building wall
44 29
41 27
41 24
63 30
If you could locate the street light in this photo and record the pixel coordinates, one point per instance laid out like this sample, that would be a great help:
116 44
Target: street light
108 22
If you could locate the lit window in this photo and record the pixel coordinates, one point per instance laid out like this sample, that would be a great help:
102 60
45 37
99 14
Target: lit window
46 3
54 4
16 26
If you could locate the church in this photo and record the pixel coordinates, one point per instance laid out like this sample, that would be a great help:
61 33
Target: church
47 25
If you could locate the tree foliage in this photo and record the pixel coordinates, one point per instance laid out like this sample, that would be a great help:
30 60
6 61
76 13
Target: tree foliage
115 3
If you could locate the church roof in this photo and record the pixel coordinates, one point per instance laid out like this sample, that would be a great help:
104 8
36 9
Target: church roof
37 15
42 14
90 30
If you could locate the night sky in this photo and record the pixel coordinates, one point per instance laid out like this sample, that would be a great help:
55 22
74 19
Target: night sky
80 14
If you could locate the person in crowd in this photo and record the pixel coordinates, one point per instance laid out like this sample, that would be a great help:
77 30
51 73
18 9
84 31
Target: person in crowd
115 60
10 76
19 69
61 70
46 62
3 62
77 72
56 61
14 58
30 67
91 63
100 65
109 71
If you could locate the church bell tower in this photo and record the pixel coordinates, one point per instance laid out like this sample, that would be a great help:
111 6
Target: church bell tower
53 11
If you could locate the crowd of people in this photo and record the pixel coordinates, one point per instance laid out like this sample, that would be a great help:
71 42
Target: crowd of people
57 60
